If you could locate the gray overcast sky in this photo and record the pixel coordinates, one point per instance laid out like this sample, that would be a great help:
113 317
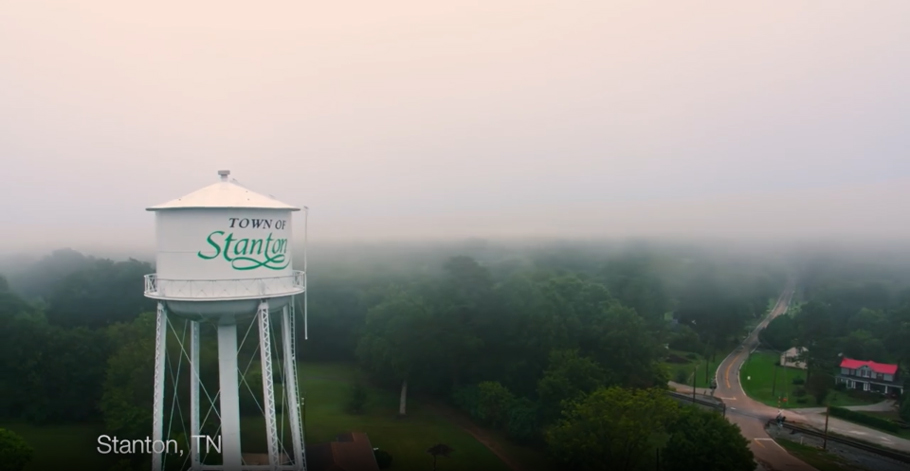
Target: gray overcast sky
438 119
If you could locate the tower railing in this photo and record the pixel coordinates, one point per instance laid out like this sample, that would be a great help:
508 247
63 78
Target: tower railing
224 289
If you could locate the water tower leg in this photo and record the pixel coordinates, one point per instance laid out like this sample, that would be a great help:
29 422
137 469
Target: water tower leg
232 458
268 387
194 397
290 387
158 405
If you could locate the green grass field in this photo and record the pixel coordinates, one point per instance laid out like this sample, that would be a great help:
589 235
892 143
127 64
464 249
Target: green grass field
692 366
818 459
326 387
762 383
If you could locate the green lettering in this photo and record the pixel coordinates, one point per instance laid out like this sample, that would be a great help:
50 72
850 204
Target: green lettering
213 244
245 248
268 241
227 246
241 243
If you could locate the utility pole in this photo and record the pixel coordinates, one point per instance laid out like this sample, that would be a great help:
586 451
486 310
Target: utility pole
774 383
785 386
825 442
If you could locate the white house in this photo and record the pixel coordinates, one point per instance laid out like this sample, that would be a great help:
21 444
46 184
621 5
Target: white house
790 358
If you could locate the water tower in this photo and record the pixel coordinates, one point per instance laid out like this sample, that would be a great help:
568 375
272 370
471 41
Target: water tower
224 257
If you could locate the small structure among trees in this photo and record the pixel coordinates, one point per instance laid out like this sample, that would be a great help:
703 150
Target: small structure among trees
794 358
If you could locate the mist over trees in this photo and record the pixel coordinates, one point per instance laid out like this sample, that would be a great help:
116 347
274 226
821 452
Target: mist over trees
520 338
848 307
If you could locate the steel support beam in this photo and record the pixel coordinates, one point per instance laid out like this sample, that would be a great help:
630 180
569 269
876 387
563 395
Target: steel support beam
160 362
290 386
268 386
194 397
232 458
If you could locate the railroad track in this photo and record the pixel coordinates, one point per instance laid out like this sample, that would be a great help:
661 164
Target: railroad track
703 401
880 451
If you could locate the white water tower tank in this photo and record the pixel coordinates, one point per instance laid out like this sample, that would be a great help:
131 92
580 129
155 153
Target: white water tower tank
221 250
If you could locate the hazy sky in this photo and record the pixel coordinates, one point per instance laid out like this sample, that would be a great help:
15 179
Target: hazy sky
439 119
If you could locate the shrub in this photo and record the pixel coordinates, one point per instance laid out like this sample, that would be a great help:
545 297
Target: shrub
802 400
357 400
799 381
863 419
692 356
800 392
15 452
383 459
840 387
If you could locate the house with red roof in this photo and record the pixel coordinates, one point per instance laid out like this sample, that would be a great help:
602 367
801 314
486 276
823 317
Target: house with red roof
870 376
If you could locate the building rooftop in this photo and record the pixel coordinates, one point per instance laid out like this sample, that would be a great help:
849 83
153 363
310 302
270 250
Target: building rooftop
883 368
224 194
351 451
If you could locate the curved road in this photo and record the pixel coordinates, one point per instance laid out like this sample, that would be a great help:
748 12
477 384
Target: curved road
751 416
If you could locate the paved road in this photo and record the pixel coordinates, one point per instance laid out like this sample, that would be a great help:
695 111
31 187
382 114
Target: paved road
751 415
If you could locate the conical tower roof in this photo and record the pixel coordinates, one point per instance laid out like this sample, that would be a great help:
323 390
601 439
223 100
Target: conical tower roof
224 194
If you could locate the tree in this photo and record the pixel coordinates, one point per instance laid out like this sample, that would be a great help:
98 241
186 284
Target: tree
612 428
620 342
863 345
714 310
396 340
819 384
781 333
357 399
438 450
524 423
83 298
569 377
127 399
461 303
494 403
15 452
704 440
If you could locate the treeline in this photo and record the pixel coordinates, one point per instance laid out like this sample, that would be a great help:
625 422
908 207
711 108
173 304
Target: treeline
529 341
850 308
53 345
